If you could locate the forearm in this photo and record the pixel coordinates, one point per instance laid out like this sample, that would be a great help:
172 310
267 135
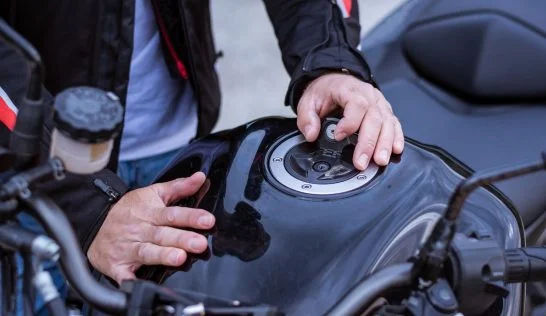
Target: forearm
314 38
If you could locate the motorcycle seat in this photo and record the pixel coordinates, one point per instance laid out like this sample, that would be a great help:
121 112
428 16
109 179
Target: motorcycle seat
469 78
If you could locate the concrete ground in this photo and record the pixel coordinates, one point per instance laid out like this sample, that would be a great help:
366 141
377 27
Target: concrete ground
252 76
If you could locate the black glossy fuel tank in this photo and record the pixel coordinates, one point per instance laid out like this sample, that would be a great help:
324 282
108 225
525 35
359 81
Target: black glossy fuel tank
302 252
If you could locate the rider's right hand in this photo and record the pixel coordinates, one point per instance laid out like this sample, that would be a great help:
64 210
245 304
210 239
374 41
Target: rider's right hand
141 229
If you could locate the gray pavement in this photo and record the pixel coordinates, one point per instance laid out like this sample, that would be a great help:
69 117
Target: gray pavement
252 77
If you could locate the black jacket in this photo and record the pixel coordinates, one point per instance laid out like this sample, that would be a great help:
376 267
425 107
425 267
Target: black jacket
89 42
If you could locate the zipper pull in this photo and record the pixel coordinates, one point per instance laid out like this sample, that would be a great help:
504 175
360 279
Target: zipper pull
112 194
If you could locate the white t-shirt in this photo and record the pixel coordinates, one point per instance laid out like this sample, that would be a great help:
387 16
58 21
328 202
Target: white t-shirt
161 111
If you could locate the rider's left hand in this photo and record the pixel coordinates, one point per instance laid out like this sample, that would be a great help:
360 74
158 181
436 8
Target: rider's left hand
365 110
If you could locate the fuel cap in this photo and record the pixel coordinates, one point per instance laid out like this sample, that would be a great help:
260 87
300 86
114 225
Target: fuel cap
320 168
88 114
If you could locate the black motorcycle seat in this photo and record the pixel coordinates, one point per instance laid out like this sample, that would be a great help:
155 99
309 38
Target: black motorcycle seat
489 51
476 126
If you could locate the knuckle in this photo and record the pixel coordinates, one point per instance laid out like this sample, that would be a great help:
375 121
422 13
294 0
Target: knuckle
158 237
360 104
376 117
117 248
196 213
349 124
353 89
164 216
394 121
164 255
134 231
141 250
375 92
183 239
369 143
341 86
397 122
388 106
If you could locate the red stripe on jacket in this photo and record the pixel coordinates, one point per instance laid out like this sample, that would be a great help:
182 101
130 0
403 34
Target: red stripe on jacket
7 115
163 30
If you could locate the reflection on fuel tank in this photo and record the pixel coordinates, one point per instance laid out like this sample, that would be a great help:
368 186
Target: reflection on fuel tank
240 234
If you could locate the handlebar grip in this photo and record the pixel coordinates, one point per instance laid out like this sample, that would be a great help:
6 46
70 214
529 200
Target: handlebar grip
525 264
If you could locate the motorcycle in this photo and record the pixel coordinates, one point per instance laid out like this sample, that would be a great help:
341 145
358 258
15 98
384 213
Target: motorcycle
291 233
300 231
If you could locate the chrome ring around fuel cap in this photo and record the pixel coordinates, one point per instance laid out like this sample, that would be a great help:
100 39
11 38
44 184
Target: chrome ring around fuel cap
278 170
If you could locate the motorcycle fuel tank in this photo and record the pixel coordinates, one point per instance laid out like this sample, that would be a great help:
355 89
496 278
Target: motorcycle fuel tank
297 227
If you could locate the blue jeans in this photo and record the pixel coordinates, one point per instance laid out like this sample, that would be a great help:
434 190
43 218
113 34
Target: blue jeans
139 173
39 308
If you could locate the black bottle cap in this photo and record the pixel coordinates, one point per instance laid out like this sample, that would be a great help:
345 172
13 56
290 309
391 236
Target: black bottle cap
88 114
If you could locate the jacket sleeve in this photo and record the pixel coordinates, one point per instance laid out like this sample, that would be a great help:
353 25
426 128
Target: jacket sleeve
317 36
84 203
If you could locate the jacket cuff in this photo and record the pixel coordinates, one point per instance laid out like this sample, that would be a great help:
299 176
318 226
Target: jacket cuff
324 61
112 188
85 200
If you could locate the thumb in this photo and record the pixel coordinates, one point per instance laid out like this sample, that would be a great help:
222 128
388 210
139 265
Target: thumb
308 118
179 188
123 274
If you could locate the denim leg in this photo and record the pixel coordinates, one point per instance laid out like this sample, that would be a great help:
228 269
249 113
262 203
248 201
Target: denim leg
127 173
40 309
147 169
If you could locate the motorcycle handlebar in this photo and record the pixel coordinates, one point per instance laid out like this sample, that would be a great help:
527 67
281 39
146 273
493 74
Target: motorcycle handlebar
521 265
72 259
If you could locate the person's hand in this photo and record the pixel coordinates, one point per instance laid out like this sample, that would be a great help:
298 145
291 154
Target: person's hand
365 110
142 230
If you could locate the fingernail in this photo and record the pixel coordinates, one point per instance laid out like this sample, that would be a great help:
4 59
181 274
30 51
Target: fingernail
340 136
197 244
307 130
205 220
363 161
383 156
174 257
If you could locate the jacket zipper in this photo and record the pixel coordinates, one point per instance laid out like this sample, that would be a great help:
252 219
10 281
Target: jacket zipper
112 194
163 30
